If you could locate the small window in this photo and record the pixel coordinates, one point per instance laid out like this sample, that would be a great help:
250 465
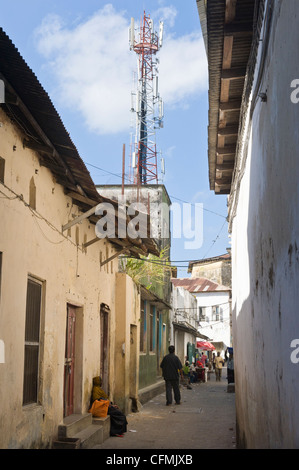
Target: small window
32 194
215 314
32 341
2 168
202 313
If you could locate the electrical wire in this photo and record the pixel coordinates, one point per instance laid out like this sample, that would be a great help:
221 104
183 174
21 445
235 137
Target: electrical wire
164 262
173 197
36 216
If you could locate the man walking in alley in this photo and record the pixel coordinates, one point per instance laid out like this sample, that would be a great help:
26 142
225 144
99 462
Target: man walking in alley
171 368
218 367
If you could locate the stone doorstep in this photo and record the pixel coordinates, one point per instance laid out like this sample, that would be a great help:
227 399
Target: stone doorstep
82 431
105 424
67 443
90 436
73 424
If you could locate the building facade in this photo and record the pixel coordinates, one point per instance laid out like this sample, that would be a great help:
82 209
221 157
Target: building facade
155 303
184 323
62 297
217 269
253 157
213 309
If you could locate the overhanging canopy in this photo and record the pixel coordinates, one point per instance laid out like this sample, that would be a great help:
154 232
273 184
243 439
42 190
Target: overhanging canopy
205 345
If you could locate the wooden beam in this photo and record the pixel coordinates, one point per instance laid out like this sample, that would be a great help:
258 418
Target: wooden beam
84 199
230 10
42 148
228 166
223 188
135 250
226 190
102 263
224 93
229 150
224 180
227 52
91 242
238 30
233 105
229 130
79 219
233 74
11 98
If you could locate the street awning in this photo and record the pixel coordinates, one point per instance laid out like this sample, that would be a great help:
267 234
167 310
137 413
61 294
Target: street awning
205 345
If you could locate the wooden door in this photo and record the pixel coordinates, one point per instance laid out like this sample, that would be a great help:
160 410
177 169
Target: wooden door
69 363
104 365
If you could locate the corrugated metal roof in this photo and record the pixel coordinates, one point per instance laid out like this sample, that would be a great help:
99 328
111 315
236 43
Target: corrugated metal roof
199 284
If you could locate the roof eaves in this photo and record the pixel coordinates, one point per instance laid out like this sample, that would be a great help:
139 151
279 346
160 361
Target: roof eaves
230 27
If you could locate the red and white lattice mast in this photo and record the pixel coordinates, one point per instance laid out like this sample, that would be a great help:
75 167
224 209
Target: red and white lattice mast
146 101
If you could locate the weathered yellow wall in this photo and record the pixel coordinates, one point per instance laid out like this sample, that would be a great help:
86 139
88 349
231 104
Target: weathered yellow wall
32 243
127 315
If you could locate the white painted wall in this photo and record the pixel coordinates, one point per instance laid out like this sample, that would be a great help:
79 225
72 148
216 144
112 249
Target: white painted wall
184 311
265 253
216 330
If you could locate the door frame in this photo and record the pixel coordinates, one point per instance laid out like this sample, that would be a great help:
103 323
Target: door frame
104 346
69 361
72 386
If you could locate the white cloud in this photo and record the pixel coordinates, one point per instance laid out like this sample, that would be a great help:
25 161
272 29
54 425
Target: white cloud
183 68
93 66
166 14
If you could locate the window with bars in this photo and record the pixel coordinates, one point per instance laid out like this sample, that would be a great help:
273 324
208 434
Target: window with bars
32 341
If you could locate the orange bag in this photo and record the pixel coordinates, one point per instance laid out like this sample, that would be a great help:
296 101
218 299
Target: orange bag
99 408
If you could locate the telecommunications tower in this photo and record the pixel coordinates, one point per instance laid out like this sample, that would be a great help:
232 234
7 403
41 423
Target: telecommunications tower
146 101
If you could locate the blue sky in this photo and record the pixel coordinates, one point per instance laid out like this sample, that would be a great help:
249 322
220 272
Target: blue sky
79 51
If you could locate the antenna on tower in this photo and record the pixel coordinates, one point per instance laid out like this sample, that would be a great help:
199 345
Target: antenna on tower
148 100
132 34
161 28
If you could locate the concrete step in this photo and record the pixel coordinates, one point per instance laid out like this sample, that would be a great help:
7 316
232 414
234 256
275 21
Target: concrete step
105 424
73 424
147 393
90 436
67 443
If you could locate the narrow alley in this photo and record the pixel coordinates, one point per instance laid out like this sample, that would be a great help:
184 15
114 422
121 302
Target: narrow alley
204 420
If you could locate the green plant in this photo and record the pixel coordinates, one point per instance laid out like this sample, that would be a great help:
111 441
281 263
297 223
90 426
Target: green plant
151 271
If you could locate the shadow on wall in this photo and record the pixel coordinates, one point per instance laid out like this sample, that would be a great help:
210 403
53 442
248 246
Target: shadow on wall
268 321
